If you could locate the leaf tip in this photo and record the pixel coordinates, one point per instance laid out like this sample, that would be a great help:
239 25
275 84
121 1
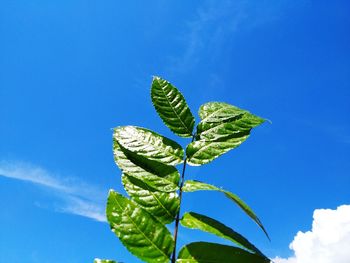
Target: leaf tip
269 121
111 191
155 78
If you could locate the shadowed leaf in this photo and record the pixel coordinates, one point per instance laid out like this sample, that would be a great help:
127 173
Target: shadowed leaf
197 221
203 252
191 186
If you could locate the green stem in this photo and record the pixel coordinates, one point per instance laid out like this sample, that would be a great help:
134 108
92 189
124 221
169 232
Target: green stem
178 213
173 258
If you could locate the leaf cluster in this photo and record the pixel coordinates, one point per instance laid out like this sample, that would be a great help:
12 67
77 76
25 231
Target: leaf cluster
148 163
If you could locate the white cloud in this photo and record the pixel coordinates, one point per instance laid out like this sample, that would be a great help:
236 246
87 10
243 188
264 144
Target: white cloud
77 197
327 242
78 206
27 172
283 260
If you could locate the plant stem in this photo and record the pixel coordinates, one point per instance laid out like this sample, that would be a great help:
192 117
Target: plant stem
173 258
178 213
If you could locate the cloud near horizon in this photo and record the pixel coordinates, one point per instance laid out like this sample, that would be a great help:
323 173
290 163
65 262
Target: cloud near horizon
78 197
327 242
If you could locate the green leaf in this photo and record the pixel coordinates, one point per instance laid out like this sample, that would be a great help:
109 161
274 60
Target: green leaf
223 128
145 180
172 107
191 186
156 175
149 144
97 260
197 221
218 111
163 206
202 152
203 252
140 233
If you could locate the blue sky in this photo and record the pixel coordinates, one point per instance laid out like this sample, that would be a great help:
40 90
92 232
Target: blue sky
72 70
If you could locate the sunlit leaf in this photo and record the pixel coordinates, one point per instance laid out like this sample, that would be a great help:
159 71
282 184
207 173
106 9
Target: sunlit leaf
218 111
172 107
156 175
140 233
202 152
149 144
191 186
223 127
161 205
97 260
203 252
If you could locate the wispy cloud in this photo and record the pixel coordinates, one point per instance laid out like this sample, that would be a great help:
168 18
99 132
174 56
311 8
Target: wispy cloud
78 197
327 242
214 24
335 131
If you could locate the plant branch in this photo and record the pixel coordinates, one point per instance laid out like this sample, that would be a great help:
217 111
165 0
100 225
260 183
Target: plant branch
173 258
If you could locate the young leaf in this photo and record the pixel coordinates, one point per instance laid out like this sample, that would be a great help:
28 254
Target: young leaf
141 234
202 152
156 175
218 111
149 144
223 127
191 186
197 221
97 260
238 126
172 107
163 206
203 252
